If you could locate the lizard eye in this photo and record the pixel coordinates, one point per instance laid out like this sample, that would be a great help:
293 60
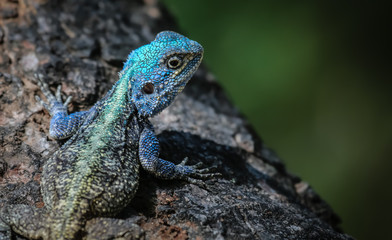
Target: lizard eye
174 62
148 88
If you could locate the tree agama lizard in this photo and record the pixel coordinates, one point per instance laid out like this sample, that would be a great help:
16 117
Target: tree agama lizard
95 174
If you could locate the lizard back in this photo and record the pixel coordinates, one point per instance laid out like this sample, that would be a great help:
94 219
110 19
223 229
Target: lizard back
96 172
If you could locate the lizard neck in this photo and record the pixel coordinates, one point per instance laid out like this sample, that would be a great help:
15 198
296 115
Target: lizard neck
116 104
111 115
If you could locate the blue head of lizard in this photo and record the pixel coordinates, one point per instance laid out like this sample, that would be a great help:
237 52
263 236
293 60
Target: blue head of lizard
160 70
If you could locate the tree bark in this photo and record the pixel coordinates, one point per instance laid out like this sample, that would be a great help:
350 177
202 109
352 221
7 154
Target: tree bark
81 45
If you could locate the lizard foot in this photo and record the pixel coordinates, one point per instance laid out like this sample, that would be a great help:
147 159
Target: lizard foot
195 174
55 101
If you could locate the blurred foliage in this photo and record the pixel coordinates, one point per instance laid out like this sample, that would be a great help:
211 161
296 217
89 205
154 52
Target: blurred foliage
313 79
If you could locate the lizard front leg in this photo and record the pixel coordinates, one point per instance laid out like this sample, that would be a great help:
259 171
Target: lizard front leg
150 161
62 125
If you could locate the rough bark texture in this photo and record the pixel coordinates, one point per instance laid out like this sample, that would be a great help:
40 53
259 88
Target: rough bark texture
82 45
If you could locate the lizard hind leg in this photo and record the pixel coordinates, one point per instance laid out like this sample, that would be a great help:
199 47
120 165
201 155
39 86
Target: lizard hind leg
25 220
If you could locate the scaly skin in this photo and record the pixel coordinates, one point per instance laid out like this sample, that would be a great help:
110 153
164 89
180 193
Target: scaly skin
95 173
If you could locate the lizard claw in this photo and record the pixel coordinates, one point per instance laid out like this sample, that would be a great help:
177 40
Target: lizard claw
52 99
196 173
184 161
58 93
196 182
67 101
42 102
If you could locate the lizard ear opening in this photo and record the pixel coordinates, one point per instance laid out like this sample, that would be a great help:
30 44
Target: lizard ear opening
148 88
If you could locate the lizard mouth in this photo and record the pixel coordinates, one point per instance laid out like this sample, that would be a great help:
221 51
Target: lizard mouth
189 67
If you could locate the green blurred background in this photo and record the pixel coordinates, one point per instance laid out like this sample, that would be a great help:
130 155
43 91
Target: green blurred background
312 79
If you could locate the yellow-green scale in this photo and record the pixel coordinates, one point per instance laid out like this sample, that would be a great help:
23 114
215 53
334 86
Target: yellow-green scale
93 150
